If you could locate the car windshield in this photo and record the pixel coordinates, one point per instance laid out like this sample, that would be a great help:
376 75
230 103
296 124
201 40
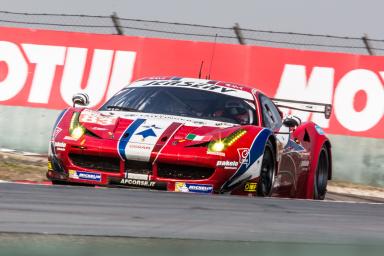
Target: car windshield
183 102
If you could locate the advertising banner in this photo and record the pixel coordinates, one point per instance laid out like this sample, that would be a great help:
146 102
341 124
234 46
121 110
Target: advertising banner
41 68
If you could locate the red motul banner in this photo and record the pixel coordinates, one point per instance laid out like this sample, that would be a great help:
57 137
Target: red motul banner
40 68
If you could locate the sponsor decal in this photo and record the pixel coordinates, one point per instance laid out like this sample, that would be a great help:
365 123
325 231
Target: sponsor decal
196 122
232 85
73 174
57 129
79 175
193 84
59 146
221 124
195 137
136 176
243 156
139 183
181 187
250 187
70 138
227 164
90 116
215 153
50 166
139 146
99 129
193 188
56 132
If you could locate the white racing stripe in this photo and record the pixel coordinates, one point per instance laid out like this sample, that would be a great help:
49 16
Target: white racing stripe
144 139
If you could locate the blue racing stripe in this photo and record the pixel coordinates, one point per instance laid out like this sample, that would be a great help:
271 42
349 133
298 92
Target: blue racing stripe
125 139
256 150
58 120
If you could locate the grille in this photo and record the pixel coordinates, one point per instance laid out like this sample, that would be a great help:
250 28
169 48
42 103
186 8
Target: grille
138 167
107 164
174 171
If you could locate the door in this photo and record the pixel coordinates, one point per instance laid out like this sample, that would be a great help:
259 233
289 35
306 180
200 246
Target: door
288 161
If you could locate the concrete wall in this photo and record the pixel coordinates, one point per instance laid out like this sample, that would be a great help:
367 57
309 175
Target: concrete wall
359 160
356 159
26 129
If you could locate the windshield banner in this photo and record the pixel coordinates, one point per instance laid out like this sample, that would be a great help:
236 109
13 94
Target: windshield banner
41 68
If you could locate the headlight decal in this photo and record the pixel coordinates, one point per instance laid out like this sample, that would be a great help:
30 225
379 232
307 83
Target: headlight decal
76 130
222 144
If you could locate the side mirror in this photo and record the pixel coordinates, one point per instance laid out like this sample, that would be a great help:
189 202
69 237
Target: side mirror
81 99
290 122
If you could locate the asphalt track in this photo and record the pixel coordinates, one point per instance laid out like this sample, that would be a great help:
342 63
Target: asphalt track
152 214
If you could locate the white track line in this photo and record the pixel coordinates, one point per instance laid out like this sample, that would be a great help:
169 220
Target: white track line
322 201
24 153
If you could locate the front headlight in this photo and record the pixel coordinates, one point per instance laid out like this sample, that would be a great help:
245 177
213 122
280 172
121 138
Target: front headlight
76 130
217 146
222 144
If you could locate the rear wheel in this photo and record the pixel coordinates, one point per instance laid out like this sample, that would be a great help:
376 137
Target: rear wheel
267 172
321 175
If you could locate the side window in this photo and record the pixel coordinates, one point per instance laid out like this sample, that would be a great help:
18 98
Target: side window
271 116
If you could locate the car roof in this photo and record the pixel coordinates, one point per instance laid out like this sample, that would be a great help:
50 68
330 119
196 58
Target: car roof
222 87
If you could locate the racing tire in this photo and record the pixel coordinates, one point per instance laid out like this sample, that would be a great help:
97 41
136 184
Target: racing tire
267 171
321 175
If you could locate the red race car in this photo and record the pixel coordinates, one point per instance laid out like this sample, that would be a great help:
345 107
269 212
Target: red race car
192 135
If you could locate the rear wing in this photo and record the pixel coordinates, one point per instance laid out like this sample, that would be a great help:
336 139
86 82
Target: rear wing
313 107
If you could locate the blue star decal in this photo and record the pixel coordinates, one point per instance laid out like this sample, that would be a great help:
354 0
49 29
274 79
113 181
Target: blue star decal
147 133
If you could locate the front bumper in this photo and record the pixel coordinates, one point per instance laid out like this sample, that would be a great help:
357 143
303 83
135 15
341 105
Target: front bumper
163 174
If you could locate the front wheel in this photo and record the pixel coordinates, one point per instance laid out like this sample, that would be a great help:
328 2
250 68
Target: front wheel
321 175
267 172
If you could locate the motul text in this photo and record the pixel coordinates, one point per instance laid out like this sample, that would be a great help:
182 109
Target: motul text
40 68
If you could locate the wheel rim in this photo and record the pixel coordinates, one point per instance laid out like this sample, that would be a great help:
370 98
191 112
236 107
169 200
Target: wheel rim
267 172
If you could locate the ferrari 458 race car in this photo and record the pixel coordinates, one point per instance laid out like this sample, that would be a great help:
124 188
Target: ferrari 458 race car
192 135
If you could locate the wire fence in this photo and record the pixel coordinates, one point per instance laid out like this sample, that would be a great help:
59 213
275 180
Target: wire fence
149 28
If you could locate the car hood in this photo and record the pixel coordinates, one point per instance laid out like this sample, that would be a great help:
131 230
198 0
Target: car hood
145 128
